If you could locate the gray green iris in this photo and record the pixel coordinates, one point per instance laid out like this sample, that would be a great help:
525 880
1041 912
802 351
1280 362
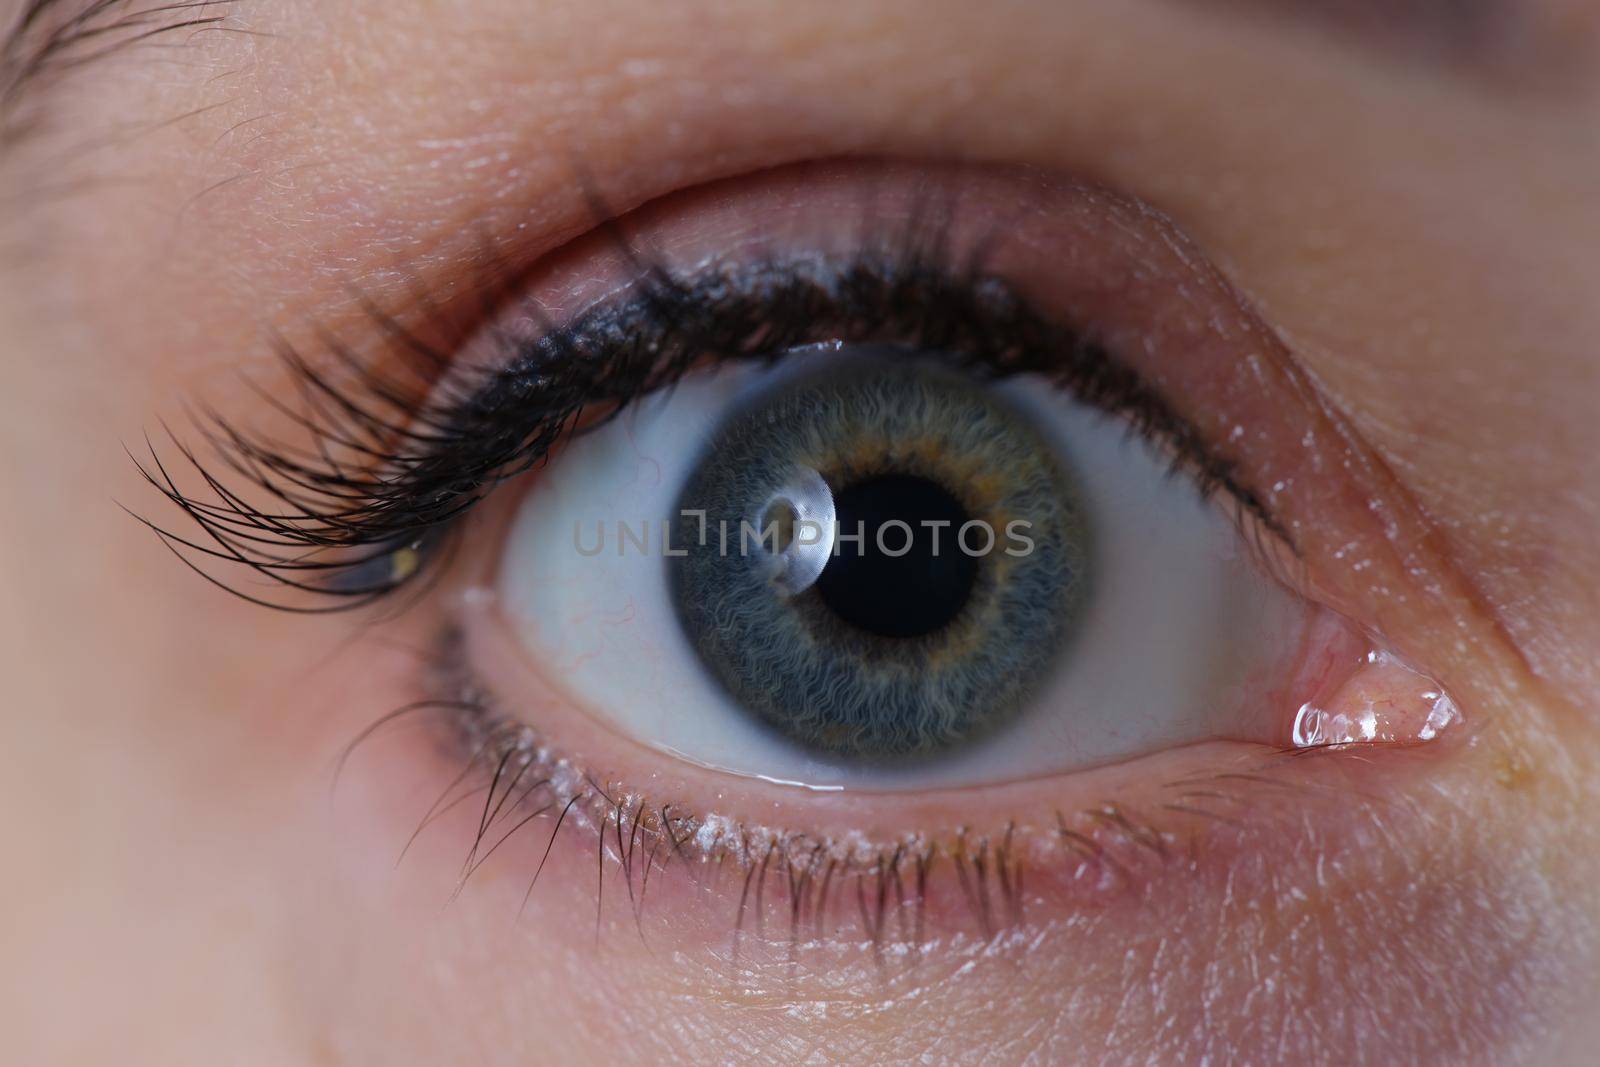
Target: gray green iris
888 655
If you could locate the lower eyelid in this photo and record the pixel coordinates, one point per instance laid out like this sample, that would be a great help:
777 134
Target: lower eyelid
1353 859
1084 840
1350 905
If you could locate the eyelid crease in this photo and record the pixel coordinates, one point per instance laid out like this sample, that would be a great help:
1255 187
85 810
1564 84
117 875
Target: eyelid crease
390 472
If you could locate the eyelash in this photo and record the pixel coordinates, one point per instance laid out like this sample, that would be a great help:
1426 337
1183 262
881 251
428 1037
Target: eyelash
878 890
395 465
399 460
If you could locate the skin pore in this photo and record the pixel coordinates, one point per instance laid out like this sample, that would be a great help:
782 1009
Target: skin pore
1419 227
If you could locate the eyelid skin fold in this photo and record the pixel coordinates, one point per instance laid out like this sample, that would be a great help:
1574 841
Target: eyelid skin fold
910 265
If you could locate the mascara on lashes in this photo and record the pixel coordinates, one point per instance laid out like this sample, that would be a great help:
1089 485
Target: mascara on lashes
364 511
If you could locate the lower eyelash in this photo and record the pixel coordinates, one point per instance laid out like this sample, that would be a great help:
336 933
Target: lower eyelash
903 891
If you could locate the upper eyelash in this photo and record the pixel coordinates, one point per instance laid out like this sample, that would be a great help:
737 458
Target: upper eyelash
390 474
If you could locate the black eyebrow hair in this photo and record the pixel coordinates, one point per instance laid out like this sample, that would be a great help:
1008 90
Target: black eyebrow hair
51 37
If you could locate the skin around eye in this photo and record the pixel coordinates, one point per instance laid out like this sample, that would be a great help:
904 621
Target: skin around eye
746 881
1421 236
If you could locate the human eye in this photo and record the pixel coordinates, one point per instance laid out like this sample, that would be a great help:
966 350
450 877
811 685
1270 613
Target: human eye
1258 336
980 541
1137 662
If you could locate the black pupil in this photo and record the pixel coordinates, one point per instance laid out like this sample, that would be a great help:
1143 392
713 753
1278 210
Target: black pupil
899 595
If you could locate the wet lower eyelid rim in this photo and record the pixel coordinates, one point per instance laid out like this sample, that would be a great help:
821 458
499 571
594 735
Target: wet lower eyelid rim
1091 853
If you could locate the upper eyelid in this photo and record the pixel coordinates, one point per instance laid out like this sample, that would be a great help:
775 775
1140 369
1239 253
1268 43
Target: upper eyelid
419 465
1155 300
1062 341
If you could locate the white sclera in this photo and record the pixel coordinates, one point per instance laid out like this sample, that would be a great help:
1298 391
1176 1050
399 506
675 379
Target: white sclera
1178 624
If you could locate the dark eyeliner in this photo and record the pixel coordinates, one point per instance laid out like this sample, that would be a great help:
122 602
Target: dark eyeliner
368 508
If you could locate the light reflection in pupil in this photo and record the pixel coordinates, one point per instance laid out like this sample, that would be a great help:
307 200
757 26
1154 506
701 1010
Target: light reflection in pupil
797 532
922 581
